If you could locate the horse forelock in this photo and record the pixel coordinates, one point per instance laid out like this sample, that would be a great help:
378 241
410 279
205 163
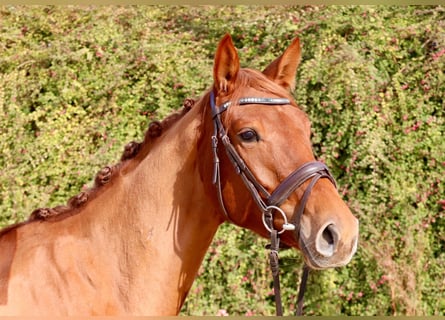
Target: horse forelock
105 176
249 78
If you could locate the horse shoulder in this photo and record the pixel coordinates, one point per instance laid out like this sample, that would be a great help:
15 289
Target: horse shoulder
59 264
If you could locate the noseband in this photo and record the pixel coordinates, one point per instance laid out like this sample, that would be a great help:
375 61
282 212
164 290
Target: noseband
267 202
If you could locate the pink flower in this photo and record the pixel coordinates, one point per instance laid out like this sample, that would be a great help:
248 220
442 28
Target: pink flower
222 313
439 54
384 278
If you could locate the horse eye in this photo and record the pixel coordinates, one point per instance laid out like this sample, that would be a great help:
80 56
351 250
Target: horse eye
249 135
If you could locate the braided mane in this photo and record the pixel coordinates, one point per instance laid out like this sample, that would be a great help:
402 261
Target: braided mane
247 77
106 174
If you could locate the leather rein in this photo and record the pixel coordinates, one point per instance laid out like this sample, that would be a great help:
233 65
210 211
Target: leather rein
266 202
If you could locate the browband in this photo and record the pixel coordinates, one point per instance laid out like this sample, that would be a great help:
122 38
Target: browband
243 101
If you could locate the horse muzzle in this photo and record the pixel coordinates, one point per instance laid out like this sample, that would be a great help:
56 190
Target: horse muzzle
330 246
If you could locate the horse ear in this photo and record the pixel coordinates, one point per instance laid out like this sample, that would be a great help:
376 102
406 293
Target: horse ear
226 66
284 69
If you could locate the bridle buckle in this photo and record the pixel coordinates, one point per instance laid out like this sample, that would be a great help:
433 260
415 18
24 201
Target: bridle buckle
286 225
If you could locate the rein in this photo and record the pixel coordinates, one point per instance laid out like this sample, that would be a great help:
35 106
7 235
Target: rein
266 202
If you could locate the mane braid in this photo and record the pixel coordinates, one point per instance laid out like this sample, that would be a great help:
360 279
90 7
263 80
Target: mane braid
106 174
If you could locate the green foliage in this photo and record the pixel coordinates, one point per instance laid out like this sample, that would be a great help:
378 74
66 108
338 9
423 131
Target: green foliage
77 83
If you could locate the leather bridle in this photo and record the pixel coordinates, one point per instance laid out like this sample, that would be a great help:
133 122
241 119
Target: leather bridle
268 203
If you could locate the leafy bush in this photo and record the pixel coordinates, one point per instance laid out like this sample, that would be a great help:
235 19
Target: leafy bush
77 83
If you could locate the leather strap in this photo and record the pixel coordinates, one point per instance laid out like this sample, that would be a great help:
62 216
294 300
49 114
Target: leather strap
249 100
275 267
302 289
296 179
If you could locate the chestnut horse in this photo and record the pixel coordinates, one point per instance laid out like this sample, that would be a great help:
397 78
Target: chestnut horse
134 242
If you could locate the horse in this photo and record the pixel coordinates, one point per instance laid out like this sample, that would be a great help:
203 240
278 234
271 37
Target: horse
132 244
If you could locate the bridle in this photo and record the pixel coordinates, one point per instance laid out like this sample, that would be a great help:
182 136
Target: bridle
268 203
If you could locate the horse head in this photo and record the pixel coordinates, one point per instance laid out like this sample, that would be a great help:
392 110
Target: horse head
258 154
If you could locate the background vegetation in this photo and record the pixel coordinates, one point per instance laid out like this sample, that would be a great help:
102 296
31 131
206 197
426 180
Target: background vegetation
77 83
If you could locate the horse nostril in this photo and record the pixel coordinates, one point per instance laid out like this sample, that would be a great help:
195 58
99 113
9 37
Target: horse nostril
327 240
327 236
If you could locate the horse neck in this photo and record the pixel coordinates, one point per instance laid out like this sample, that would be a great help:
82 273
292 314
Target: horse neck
159 219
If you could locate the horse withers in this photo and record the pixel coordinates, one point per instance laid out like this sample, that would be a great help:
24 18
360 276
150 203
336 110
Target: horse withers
133 243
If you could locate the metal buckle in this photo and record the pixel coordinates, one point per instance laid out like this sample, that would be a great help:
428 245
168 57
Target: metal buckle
286 224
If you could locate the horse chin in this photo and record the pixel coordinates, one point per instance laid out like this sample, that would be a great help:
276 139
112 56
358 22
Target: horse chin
318 262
